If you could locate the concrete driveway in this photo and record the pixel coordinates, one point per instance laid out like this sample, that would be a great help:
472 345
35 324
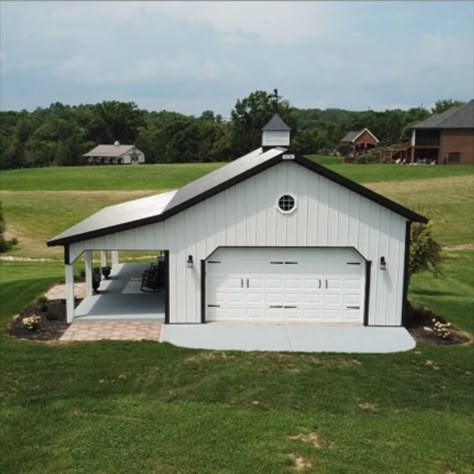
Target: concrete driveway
288 337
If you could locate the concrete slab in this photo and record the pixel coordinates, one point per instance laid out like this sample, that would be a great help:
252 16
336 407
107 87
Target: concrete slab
289 337
120 299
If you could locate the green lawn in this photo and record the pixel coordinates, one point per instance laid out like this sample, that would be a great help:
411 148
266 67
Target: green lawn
170 176
149 407
115 407
36 216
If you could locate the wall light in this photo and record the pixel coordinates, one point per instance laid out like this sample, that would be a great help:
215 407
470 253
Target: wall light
383 263
190 262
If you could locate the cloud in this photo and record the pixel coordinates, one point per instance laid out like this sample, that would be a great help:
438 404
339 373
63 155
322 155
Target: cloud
191 56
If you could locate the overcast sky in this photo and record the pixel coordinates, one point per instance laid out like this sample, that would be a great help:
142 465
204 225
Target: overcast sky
192 56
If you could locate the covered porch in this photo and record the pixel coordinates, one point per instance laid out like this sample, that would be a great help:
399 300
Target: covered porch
116 291
120 297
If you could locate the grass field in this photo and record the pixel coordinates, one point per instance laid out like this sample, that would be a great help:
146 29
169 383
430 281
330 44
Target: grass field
170 176
114 407
36 215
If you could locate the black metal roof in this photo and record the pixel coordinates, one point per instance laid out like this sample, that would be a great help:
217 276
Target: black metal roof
159 207
455 117
276 124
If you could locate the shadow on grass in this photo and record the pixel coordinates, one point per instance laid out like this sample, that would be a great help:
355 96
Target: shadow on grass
437 293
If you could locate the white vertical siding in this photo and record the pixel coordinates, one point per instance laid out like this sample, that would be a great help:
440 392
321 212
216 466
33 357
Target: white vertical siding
327 214
274 138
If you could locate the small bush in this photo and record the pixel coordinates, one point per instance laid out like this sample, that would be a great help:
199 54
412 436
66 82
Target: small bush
43 308
425 251
50 316
42 300
32 323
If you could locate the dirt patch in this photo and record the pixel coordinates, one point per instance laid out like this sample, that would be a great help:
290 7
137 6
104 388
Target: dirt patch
299 462
369 407
339 363
421 326
414 185
313 439
52 322
459 247
208 356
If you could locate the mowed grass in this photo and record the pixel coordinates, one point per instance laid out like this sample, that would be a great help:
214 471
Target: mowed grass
36 216
170 176
148 407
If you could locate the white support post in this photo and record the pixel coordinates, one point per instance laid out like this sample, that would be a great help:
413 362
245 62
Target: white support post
103 258
115 257
69 274
88 265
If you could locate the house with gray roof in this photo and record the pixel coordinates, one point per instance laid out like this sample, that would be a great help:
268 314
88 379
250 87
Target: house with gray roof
115 154
445 138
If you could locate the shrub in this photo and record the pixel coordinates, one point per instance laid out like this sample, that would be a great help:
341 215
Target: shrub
32 323
425 251
43 308
42 300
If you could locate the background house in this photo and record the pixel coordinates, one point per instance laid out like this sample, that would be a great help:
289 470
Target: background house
357 141
115 154
445 138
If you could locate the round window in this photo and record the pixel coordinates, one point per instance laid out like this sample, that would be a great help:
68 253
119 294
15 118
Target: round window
286 203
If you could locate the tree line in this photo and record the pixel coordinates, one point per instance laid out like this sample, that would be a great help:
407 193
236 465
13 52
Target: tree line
59 134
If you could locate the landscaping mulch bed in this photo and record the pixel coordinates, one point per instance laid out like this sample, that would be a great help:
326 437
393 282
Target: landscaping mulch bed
421 325
52 326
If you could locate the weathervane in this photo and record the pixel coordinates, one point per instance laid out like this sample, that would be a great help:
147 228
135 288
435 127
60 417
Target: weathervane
275 97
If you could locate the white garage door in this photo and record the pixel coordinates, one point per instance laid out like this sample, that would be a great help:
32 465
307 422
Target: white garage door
291 284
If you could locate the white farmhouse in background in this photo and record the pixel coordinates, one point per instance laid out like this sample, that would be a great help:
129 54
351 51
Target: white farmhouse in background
115 154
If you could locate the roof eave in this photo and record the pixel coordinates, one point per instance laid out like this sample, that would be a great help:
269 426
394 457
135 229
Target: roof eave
362 190
175 210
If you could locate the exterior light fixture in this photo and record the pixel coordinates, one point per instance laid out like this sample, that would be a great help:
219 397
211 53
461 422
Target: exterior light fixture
190 262
383 263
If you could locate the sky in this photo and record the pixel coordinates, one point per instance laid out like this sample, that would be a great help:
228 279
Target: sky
196 56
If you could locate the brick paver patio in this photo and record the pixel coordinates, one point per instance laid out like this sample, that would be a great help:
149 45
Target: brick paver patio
112 330
58 292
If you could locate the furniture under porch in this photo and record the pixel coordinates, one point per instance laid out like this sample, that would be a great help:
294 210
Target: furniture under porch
120 297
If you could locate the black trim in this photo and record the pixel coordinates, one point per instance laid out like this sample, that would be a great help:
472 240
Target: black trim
176 209
305 162
66 254
203 291
362 190
352 263
368 265
406 274
167 280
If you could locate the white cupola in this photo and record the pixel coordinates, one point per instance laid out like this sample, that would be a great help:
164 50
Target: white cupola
275 133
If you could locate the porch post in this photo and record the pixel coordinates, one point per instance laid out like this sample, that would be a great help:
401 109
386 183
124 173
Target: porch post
69 274
103 258
88 264
115 257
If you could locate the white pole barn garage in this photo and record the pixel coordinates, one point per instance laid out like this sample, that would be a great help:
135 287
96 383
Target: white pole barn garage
271 236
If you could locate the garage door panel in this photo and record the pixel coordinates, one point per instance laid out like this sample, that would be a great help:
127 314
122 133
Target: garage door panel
300 284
